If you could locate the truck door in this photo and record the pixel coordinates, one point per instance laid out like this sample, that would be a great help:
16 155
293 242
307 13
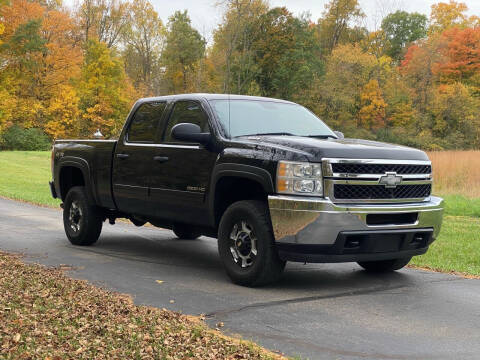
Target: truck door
131 163
181 171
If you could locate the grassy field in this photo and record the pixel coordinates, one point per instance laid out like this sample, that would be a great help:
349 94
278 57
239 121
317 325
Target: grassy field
457 249
456 172
25 175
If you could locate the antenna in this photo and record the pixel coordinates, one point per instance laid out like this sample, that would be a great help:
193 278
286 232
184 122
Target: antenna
229 133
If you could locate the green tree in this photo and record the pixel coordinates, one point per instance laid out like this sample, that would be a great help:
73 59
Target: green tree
232 52
286 53
402 28
26 45
335 25
185 47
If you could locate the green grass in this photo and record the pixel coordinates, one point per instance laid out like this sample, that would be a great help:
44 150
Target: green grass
457 249
458 205
25 175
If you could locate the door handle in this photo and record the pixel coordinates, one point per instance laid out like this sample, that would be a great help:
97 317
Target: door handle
122 156
160 159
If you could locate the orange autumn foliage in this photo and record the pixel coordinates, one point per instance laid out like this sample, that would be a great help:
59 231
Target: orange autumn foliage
462 55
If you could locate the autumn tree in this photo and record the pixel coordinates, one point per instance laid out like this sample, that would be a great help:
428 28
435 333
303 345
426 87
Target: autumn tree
2 27
184 48
400 112
348 70
6 101
372 106
41 56
402 28
461 61
452 14
455 116
144 39
105 95
375 43
104 20
335 26
416 69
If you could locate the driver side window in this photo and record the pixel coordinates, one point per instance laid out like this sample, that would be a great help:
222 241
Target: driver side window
186 112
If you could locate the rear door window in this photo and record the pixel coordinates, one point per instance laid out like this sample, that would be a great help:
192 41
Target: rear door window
144 125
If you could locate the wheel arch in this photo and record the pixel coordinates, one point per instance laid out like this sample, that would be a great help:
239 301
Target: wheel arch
74 172
236 182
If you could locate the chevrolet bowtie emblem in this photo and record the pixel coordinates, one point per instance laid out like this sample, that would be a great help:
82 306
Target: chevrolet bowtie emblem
391 180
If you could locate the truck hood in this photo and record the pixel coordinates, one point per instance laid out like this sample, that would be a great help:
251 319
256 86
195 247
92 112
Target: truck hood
316 149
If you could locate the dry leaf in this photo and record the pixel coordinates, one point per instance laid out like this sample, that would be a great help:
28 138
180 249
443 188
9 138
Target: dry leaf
102 323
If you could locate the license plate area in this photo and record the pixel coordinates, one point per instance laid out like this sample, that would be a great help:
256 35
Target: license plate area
392 219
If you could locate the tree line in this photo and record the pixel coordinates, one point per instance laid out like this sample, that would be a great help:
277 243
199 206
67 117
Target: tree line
67 72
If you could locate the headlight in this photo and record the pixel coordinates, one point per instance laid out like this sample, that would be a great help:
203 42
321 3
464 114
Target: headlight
300 178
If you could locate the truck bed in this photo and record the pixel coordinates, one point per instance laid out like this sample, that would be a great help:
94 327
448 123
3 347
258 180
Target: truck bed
97 156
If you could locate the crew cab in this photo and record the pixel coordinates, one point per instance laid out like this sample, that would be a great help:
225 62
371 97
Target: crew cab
266 177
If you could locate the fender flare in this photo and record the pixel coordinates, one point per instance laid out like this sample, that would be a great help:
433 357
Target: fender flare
83 166
250 172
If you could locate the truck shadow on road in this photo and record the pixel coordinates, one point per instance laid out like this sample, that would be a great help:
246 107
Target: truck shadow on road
162 250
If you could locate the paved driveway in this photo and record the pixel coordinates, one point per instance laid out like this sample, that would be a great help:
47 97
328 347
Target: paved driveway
316 311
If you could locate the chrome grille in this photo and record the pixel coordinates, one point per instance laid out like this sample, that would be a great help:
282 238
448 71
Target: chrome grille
352 168
371 192
375 180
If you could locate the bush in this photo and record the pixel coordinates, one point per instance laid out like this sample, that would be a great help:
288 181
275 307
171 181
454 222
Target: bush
17 138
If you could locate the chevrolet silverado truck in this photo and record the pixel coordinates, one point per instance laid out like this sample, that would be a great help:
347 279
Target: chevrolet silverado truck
266 177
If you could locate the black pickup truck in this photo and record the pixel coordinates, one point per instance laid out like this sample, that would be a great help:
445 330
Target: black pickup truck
266 177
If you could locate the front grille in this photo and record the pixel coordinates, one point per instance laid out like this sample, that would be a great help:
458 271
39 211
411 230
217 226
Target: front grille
379 192
369 169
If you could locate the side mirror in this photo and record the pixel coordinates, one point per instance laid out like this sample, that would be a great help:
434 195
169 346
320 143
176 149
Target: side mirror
339 134
190 133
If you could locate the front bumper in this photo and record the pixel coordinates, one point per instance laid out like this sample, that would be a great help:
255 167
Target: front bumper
317 230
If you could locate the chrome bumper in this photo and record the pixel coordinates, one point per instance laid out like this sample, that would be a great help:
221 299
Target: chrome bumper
313 221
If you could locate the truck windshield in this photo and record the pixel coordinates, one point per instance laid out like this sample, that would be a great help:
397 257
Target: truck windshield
256 117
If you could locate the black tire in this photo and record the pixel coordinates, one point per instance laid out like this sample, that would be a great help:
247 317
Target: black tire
384 265
81 220
263 268
185 232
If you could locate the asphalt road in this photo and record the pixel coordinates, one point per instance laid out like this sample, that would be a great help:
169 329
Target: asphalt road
316 311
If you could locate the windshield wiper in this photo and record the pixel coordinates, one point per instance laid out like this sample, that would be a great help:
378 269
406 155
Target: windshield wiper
323 136
272 133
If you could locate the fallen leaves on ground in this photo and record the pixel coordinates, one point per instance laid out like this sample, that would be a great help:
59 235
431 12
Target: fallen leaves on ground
46 315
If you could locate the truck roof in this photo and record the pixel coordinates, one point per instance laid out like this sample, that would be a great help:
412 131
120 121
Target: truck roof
206 96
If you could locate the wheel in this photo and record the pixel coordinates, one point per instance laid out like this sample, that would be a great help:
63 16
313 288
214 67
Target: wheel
82 221
385 265
185 232
246 244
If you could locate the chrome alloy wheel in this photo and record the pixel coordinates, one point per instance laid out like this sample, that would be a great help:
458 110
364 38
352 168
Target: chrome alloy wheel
75 216
244 244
